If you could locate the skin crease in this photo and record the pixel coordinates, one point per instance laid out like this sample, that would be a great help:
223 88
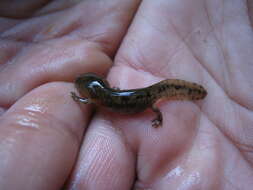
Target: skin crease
48 141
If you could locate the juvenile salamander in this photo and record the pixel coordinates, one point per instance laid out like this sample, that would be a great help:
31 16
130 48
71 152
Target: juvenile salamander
96 90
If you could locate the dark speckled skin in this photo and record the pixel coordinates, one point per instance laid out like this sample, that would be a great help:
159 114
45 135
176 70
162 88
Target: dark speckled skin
94 89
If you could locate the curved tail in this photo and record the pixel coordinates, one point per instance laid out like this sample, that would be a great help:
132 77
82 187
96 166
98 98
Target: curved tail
179 90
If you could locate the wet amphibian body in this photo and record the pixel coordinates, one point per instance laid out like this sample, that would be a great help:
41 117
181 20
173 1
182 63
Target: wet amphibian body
96 90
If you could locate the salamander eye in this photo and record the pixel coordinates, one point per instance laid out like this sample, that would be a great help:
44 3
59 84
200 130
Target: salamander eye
106 83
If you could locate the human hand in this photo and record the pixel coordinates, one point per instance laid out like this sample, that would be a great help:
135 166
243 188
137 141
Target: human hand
198 145
202 145
41 126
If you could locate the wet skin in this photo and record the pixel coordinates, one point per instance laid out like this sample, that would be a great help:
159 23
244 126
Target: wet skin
96 90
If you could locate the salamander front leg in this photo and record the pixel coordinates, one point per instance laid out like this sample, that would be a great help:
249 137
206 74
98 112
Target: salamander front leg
79 99
157 122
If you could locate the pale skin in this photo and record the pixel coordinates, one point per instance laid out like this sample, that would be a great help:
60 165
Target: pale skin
48 141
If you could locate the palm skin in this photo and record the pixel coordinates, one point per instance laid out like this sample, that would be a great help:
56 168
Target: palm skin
48 140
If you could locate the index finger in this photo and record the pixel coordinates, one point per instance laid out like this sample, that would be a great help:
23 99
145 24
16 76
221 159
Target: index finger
40 137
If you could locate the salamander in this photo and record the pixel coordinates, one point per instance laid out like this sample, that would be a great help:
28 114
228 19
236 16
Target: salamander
96 90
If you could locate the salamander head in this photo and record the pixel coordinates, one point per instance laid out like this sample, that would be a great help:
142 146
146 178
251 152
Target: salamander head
89 84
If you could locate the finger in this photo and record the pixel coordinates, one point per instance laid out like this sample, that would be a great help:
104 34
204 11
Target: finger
58 60
89 20
40 137
18 9
106 161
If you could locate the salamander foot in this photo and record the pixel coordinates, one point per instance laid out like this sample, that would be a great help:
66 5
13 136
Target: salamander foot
157 122
79 99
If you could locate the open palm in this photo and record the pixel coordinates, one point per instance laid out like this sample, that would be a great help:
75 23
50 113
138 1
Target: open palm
48 141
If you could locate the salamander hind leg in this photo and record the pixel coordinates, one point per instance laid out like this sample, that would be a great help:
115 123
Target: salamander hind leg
157 121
